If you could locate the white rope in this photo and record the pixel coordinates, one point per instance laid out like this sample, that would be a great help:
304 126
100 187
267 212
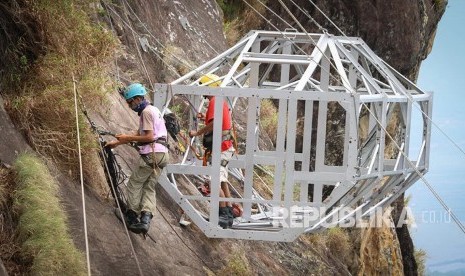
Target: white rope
295 19
120 210
273 12
184 62
138 51
81 178
161 44
266 19
154 50
325 17
293 43
111 187
435 194
114 33
311 18
443 133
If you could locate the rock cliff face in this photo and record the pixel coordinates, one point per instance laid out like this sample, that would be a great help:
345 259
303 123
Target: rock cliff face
400 32
161 40
171 37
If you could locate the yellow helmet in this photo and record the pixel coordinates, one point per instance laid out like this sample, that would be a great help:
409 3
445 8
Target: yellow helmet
211 80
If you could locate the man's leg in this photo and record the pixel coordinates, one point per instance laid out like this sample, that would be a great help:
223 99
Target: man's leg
135 185
225 191
225 157
148 198
135 191
223 214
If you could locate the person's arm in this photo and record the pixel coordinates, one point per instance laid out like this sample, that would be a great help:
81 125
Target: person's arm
126 138
206 129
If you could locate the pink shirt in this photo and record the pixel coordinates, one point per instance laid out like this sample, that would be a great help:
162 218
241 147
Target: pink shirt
151 119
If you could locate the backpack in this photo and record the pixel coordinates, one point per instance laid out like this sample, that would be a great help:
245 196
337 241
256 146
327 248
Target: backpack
172 125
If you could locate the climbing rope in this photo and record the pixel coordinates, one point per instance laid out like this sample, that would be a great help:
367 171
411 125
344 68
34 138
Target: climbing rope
81 178
137 48
134 33
273 12
293 42
112 186
319 26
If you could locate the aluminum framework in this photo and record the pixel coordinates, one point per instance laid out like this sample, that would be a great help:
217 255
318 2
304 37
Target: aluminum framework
310 77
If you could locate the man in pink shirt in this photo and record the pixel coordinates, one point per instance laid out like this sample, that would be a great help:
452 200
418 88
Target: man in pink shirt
151 138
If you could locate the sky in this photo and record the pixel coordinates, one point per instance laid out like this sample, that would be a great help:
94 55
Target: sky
443 73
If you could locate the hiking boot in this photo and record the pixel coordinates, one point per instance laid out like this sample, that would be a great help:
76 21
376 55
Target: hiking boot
223 217
144 224
130 218
146 217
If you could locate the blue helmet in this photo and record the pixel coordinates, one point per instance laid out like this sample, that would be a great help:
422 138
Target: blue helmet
135 89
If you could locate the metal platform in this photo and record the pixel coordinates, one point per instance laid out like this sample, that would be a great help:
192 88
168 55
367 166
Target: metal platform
325 88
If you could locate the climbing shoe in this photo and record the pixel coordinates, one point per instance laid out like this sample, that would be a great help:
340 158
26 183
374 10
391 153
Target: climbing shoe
223 218
144 224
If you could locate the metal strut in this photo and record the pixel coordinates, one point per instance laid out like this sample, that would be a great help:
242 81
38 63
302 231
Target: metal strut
333 75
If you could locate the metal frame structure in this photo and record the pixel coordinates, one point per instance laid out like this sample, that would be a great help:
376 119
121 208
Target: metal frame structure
308 76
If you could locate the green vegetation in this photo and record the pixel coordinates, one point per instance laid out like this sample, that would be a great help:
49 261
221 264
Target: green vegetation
237 265
264 181
338 242
231 9
438 4
41 99
269 119
175 59
43 233
3 183
420 258
239 18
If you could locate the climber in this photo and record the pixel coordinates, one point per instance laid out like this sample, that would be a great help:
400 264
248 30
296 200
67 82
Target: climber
151 138
227 149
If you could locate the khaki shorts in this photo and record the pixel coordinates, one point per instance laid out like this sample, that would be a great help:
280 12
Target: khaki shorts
225 156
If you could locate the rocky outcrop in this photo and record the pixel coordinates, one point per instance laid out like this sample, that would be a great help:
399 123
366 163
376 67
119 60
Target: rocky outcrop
400 32
171 37
379 252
